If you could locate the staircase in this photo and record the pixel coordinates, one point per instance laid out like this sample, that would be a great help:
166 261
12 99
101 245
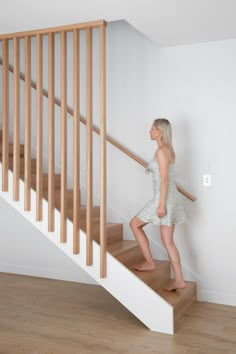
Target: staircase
126 252
80 231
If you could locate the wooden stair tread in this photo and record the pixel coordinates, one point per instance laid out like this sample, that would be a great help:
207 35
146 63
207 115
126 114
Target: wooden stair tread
45 176
114 231
11 149
21 165
180 299
95 220
83 211
69 198
126 252
155 278
57 181
96 209
109 225
112 224
174 297
130 249
21 160
121 246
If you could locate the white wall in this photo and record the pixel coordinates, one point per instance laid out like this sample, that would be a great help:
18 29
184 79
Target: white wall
191 86
24 250
196 90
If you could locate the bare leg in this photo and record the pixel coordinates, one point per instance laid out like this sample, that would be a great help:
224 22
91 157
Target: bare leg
167 239
136 225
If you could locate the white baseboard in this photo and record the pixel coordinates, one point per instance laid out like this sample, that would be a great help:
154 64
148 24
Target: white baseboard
216 297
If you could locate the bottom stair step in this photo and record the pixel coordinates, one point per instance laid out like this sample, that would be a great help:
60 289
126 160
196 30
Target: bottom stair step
129 253
180 299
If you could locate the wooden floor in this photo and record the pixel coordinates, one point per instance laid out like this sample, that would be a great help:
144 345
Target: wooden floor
44 316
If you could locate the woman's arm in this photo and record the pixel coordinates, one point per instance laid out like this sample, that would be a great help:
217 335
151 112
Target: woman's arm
163 166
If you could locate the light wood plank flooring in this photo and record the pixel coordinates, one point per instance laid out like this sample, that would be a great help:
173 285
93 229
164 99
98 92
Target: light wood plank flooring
44 316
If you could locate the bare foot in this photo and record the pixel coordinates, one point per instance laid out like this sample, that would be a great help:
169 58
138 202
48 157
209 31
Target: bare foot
145 266
175 285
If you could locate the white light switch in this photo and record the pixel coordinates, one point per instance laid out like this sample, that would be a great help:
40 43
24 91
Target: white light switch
207 180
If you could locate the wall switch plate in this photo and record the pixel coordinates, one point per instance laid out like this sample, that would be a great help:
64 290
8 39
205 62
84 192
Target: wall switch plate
207 180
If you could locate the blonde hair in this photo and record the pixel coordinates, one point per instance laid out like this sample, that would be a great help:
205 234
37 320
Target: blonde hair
164 125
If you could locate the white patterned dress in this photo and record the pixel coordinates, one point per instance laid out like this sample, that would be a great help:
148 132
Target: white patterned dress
175 213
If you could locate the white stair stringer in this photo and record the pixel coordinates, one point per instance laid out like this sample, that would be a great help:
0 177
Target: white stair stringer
149 307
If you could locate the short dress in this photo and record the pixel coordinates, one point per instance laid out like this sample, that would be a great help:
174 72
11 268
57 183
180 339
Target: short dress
175 212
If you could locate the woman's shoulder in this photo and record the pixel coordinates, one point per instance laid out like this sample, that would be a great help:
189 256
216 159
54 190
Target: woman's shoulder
163 153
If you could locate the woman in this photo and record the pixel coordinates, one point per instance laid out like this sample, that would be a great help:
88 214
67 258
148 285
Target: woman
165 208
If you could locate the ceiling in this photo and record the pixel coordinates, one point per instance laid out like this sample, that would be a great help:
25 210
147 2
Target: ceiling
166 22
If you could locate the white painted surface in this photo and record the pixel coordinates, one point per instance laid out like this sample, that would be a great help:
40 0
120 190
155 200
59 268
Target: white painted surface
154 312
25 251
166 22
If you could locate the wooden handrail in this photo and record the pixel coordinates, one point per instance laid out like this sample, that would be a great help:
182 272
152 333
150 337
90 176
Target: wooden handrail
67 28
97 130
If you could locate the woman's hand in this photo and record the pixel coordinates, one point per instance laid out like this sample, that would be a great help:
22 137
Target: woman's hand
161 211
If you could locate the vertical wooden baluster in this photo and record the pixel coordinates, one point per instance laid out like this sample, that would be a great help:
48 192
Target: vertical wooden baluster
1 63
16 138
51 123
63 136
76 142
27 178
103 238
39 171
5 114
89 148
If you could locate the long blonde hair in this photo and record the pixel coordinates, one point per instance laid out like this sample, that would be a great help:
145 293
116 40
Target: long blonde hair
164 125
